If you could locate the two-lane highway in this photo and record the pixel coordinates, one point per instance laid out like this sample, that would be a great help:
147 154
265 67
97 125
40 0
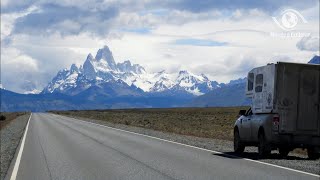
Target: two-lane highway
58 147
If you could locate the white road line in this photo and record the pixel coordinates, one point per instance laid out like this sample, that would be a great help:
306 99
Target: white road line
217 152
17 163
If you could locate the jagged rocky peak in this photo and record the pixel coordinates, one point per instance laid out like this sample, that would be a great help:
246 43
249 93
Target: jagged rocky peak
186 75
88 62
205 77
63 71
74 69
89 57
238 81
161 72
183 72
159 86
106 55
127 63
127 67
88 68
139 69
183 75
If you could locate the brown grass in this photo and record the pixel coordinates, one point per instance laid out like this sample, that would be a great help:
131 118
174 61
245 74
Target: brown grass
201 122
10 116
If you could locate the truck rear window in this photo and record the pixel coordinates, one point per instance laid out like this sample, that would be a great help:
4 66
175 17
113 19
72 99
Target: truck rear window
259 83
250 81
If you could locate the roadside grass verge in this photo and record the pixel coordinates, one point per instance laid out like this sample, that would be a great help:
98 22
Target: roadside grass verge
201 122
7 117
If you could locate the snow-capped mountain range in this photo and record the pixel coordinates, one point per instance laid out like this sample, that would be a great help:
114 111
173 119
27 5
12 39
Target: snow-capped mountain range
100 83
96 72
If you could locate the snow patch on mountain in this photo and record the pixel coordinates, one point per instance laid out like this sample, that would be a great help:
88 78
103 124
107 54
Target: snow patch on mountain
103 68
35 91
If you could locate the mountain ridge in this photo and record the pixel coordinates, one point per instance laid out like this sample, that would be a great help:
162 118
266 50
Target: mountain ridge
103 68
116 93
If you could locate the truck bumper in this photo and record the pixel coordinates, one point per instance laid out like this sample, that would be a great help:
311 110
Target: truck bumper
296 140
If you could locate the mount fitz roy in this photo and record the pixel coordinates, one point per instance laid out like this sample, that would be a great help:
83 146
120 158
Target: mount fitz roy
101 83
103 75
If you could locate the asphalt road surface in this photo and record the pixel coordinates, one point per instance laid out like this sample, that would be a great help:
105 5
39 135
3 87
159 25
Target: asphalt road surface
58 147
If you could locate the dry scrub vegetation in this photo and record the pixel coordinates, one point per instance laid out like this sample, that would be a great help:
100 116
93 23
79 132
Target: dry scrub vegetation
202 122
7 117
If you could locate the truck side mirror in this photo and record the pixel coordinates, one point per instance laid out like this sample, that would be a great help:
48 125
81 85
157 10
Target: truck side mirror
242 112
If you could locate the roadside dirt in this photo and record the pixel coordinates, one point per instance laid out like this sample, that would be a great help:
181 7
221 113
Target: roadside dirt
10 116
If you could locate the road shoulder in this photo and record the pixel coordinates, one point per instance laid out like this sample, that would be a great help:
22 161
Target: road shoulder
10 139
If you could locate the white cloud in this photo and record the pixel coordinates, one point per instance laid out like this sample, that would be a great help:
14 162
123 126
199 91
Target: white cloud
8 20
249 44
17 69
44 42
309 44
12 57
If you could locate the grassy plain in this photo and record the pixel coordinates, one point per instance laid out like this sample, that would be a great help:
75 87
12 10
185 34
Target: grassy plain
201 122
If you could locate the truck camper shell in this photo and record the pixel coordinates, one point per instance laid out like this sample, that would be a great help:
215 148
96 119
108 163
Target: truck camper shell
291 90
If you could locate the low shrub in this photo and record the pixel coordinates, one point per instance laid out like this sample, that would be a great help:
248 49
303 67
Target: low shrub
2 117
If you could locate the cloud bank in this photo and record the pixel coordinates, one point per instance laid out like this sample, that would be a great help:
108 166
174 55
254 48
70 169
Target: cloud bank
219 38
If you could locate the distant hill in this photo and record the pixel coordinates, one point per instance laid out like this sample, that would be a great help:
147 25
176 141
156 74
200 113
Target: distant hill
11 101
230 95
315 60
93 98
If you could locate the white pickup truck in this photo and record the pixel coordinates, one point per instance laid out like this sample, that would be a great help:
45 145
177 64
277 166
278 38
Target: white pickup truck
285 110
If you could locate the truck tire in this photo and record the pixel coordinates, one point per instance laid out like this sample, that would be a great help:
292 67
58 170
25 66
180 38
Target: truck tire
283 151
263 146
238 146
313 154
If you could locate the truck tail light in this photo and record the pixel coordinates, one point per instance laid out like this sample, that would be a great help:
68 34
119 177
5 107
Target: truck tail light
276 120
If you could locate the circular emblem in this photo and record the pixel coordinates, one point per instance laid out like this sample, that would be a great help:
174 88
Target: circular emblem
289 20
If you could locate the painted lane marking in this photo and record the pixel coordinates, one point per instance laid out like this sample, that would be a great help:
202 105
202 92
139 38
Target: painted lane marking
17 163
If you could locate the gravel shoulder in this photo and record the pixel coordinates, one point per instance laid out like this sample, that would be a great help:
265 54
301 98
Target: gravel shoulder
10 137
294 161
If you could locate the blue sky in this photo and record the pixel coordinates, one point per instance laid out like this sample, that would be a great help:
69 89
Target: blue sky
199 42
222 39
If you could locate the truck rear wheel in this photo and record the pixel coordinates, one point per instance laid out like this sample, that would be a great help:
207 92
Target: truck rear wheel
313 154
263 147
238 146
